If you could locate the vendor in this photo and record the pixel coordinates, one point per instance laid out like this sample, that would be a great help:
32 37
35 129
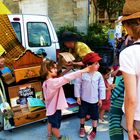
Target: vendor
78 49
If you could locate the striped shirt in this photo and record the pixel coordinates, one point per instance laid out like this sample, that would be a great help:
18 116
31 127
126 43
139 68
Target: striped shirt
117 96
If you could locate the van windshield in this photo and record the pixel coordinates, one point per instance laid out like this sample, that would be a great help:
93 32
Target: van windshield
17 29
38 34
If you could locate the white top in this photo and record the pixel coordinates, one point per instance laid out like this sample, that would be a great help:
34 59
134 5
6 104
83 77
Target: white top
90 87
130 63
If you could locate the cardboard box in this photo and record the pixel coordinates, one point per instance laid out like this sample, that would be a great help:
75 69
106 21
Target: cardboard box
68 57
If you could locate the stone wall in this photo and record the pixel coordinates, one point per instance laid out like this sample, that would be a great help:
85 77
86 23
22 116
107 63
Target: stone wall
34 7
12 6
81 11
61 13
69 12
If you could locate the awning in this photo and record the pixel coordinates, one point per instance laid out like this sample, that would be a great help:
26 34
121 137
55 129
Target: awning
4 9
2 50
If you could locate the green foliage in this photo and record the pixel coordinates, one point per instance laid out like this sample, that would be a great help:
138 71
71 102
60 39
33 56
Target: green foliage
112 7
97 35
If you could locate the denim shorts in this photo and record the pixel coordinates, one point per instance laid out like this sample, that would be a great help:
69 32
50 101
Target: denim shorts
90 109
55 119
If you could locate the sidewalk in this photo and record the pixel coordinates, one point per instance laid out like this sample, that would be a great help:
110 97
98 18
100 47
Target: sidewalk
38 131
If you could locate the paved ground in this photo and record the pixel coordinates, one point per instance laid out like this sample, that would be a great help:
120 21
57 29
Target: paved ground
38 131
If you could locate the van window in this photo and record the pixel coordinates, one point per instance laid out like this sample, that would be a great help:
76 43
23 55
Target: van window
38 34
17 29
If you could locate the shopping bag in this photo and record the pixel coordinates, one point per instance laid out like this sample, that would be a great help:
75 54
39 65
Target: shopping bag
123 122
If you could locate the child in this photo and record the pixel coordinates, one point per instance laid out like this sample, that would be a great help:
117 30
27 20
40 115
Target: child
6 73
3 68
105 71
54 96
90 91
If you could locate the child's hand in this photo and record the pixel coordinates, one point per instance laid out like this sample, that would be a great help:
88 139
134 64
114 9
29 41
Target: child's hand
112 86
78 101
100 103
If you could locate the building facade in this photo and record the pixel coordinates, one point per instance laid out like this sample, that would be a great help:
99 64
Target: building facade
61 12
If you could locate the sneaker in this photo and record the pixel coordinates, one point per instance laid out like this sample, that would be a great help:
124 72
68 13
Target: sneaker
105 116
91 135
103 121
82 132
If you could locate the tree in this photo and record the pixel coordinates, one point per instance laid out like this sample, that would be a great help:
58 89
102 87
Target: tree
111 7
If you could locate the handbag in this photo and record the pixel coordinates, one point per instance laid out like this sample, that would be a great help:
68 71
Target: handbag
123 122
136 124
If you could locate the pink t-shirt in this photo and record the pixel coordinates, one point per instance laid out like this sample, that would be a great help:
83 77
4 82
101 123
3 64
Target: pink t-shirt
130 63
54 94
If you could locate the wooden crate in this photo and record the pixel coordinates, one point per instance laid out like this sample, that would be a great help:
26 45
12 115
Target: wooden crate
30 117
22 115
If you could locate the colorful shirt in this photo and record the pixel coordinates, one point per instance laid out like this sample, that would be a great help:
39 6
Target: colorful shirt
90 87
80 50
117 96
5 70
54 94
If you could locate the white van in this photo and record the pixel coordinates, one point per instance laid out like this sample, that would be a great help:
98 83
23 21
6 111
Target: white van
36 33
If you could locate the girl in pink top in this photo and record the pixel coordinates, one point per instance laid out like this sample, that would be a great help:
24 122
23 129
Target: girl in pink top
54 96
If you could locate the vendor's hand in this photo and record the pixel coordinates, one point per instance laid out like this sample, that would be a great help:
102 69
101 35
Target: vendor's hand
69 63
78 101
100 103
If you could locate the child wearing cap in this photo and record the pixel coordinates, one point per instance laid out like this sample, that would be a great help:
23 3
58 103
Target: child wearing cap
90 91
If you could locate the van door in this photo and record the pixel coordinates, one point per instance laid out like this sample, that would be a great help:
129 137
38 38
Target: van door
40 34
17 23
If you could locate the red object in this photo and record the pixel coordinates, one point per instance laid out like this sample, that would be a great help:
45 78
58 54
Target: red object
91 135
91 58
106 102
16 19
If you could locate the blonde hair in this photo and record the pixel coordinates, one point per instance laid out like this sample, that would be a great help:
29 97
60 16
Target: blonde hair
46 66
134 25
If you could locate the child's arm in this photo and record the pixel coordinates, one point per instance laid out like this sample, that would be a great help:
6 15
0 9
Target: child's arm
77 89
101 89
59 82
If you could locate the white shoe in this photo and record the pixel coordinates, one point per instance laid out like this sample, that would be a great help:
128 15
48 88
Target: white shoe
103 121
105 116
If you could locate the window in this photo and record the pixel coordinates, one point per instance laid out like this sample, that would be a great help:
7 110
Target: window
17 30
38 34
